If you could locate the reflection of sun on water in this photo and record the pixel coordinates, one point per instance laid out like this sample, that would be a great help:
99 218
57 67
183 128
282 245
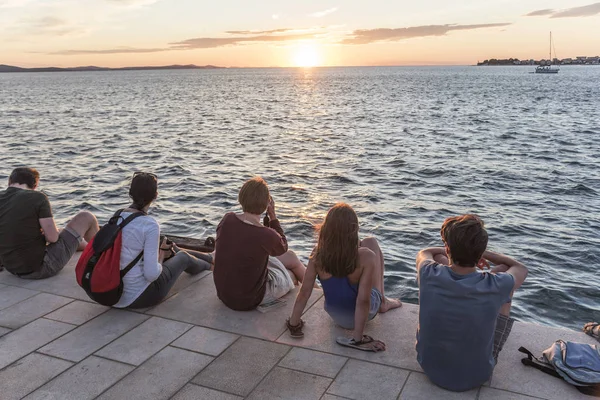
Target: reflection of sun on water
306 56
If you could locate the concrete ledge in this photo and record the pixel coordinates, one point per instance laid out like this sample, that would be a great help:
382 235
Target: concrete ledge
52 339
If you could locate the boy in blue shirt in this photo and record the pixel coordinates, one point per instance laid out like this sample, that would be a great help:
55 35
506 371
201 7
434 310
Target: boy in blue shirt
464 316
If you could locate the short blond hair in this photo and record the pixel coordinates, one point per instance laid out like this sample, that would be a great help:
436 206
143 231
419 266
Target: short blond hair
254 196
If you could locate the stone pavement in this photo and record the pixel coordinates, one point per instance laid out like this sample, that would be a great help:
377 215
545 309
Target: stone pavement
56 344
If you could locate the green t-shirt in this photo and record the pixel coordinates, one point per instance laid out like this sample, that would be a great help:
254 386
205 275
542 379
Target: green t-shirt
22 244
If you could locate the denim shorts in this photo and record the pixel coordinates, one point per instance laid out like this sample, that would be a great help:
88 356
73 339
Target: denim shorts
346 320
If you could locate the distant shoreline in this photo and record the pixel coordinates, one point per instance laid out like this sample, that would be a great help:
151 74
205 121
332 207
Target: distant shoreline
11 68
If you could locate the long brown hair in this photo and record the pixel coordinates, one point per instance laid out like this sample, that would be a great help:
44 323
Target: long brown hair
337 247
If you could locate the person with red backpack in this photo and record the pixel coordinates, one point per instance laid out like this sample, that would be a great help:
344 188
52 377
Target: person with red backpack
148 266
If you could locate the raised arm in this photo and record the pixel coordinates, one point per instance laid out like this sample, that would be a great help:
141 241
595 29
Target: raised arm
508 265
436 254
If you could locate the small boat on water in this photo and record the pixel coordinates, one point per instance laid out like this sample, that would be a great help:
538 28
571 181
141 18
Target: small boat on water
548 69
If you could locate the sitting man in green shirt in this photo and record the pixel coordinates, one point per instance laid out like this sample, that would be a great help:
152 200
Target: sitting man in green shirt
31 246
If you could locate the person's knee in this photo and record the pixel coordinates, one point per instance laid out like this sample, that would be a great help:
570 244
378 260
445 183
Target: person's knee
370 242
87 216
83 219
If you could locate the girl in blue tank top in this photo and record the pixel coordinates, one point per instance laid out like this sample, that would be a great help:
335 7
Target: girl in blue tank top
351 274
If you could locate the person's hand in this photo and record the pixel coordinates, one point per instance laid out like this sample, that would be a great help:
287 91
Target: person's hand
483 264
271 209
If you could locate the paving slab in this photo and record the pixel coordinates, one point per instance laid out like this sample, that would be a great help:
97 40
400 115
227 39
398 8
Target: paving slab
328 396
10 279
195 392
78 312
313 362
142 342
10 295
362 380
396 328
160 377
205 340
242 366
62 284
31 309
198 304
4 331
29 373
418 387
495 394
93 335
84 381
510 374
28 338
285 384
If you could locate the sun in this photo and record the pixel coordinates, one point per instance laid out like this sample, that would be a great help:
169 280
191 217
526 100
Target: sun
306 56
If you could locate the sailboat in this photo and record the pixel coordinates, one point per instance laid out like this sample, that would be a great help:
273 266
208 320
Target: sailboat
547 69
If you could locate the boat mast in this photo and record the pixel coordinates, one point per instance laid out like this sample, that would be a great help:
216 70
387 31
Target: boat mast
550 47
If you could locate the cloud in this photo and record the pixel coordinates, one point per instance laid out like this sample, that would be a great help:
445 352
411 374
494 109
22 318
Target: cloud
207 43
13 3
540 13
124 50
275 16
365 36
321 14
132 3
195 43
281 30
583 11
50 26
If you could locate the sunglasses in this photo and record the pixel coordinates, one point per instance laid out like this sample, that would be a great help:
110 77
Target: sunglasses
139 173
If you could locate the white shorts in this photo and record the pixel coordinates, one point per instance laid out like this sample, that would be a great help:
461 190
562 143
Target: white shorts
279 281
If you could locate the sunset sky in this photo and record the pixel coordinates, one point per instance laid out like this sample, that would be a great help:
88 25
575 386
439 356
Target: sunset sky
252 33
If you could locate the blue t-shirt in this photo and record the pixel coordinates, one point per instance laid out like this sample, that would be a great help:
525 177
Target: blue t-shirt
457 319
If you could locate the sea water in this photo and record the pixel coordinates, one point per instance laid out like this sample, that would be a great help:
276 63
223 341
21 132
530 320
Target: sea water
406 147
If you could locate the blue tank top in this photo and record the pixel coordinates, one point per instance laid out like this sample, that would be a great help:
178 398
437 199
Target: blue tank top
340 296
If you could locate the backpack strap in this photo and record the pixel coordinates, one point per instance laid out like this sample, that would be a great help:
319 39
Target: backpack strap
127 220
122 225
125 270
534 362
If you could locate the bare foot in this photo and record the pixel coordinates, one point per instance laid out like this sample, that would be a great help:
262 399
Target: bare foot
389 304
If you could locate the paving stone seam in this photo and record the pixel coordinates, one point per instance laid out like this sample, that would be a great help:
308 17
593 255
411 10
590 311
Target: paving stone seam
478 393
41 316
272 368
27 298
125 333
71 302
50 380
206 354
305 372
336 376
139 366
37 348
348 356
404 384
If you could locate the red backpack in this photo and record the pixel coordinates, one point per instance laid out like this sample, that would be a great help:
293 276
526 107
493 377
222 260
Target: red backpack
98 270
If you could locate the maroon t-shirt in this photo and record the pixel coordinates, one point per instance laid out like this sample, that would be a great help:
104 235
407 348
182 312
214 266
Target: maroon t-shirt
241 256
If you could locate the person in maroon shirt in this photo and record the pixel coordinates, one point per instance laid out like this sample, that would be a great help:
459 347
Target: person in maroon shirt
253 265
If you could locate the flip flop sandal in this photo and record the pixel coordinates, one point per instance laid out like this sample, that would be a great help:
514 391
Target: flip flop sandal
589 329
350 342
295 330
